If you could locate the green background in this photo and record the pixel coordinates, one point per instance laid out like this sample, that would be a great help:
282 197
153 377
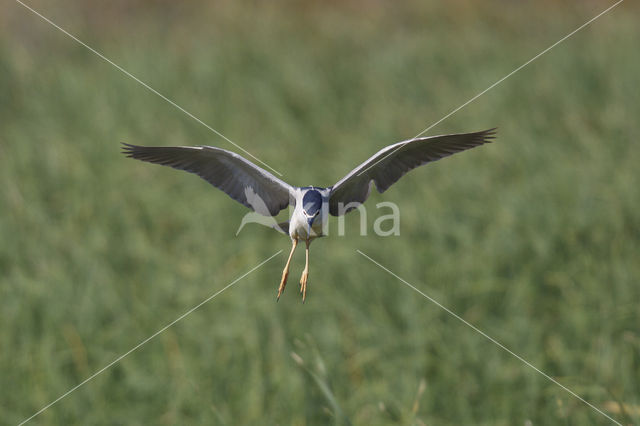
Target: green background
534 239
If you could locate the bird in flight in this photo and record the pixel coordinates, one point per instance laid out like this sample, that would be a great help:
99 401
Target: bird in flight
267 195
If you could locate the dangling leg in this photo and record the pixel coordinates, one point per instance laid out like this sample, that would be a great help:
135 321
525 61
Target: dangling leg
285 273
305 273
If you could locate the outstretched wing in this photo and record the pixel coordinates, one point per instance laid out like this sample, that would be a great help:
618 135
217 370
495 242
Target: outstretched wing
391 163
238 177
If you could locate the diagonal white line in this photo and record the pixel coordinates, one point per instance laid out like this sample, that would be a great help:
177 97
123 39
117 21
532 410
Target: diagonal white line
88 379
491 339
496 83
146 86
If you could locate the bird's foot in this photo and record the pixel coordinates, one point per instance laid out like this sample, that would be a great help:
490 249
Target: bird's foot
283 283
303 284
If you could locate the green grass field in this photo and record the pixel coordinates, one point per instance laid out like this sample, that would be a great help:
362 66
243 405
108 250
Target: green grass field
534 239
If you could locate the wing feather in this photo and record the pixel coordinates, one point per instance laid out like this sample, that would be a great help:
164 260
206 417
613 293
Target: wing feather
389 164
238 177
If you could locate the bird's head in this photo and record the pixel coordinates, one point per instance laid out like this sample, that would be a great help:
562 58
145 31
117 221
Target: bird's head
311 206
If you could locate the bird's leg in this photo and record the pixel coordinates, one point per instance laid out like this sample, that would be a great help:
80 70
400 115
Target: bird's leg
285 273
305 273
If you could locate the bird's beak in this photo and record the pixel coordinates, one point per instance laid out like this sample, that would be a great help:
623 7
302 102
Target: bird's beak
309 223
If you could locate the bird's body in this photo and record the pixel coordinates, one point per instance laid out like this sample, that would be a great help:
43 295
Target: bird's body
267 195
311 203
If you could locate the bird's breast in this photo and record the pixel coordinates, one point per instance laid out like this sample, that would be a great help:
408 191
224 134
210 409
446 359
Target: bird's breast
298 228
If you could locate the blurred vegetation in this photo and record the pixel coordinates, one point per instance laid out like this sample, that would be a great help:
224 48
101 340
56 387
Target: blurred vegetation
534 239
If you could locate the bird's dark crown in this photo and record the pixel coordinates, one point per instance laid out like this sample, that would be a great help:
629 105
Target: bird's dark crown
312 202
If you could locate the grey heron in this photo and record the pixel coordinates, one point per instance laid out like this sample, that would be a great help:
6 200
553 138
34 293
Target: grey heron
267 195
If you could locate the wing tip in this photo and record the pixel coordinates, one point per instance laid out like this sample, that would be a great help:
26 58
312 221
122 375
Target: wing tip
128 149
487 136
